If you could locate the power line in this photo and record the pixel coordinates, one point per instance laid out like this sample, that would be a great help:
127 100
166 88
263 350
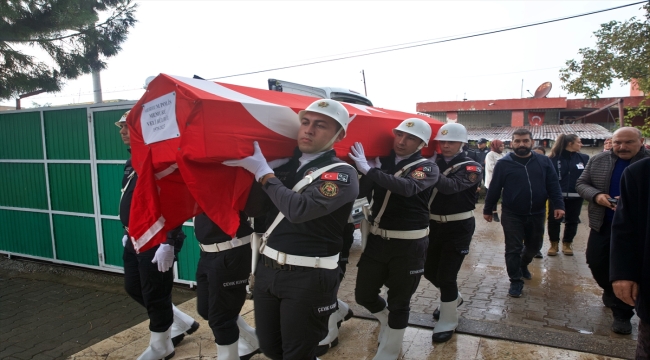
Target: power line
399 47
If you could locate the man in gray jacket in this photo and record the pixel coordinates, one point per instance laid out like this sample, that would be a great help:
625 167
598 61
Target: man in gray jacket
600 185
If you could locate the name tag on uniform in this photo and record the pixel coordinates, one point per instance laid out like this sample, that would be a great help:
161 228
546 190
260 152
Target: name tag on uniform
580 166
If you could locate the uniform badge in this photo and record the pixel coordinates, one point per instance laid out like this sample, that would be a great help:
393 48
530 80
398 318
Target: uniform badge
444 132
310 170
419 175
323 104
409 124
426 169
335 176
472 177
329 189
470 168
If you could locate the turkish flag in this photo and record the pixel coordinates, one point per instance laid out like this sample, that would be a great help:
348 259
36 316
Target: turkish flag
182 129
536 118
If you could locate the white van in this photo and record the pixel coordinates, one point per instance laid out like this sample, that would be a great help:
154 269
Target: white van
338 94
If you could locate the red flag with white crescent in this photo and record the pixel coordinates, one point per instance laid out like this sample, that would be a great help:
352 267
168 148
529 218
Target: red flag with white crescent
182 129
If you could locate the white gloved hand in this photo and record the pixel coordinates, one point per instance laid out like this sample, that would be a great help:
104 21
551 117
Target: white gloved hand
255 163
125 238
359 158
278 162
375 163
164 257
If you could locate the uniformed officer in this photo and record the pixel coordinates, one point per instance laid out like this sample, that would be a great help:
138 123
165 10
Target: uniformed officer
298 275
147 275
452 224
399 224
221 279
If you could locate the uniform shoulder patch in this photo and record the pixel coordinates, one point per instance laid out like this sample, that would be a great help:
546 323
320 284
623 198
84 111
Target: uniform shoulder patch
471 168
418 174
329 189
342 177
426 168
472 176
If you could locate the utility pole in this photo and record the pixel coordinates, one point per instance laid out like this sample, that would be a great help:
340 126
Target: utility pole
522 89
97 87
365 91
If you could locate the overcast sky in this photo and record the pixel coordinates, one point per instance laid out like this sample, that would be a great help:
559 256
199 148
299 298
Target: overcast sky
220 38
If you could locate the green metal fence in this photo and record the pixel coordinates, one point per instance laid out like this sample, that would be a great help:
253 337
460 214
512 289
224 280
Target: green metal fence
61 171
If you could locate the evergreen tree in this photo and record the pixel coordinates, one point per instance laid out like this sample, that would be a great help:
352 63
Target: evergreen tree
69 31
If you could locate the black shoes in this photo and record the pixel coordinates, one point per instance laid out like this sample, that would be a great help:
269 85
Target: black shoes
515 289
495 217
525 273
621 326
442 336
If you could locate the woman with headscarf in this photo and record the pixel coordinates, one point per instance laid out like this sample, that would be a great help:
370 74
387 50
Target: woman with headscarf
496 153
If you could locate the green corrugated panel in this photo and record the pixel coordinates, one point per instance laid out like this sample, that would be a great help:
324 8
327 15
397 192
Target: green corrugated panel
20 136
112 233
75 239
188 258
66 134
108 142
70 187
25 233
110 187
23 185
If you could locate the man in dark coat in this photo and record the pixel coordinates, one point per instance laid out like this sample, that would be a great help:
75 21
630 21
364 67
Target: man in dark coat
630 248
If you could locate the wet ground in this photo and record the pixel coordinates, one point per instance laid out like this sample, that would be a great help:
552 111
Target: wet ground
560 314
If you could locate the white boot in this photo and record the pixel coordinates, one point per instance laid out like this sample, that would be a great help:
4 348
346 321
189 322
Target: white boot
382 316
332 337
448 322
391 345
182 324
344 312
248 343
160 346
227 352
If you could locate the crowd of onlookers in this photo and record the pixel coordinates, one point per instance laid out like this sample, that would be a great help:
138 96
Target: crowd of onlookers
539 191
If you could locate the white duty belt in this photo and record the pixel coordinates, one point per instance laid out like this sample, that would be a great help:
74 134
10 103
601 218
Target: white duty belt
226 245
330 262
399 234
452 217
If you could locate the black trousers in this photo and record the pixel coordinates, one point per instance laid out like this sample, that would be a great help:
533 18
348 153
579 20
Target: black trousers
149 287
448 245
520 231
643 341
292 308
348 239
396 263
221 279
572 207
598 261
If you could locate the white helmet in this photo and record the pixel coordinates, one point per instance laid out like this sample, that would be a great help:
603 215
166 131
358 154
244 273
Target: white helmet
331 108
452 132
147 81
122 120
416 127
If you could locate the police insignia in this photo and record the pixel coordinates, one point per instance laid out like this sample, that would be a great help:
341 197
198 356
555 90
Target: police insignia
310 170
323 104
329 189
417 174
444 132
426 169
472 176
409 124
343 177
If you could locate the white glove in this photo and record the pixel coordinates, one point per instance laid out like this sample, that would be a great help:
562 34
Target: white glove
359 158
125 238
278 162
255 163
375 163
164 257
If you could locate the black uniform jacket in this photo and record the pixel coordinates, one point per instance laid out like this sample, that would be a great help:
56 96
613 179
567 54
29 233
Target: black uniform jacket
408 205
630 243
457 190
174 237
207 232
569 166
314 219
